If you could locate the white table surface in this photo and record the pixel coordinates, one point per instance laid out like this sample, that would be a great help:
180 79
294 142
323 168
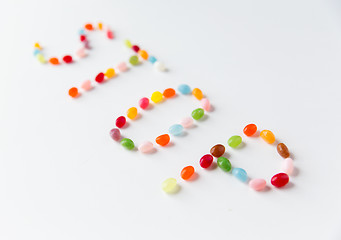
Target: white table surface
274 63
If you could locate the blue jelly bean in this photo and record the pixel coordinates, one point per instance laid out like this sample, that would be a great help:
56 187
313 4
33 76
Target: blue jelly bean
152 59
36 51
240 174
81 31
184 89
176 129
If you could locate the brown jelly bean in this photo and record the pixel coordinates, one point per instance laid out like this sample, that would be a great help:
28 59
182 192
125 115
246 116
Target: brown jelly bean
217 150
283 150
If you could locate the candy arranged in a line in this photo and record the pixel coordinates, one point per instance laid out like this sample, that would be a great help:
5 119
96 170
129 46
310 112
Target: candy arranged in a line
169 185
144 103
257 184
146 147
234 141
127 143
184 89
280 180
187 172
169 92
288 166
217 150
240 174
187 122
206 161
156 97
197 93
198 113
132 113
205 104
176 129
267 136
163 139
283 150
250 130
224 164
115 134
120 121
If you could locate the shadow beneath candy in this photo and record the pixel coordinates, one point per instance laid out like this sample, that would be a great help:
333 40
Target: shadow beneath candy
150 107
183 134
194 177
288 186
176 189
152 151
256 135
138 116
204 118
295 172
241 145
226 155
126 125
170 144
266 189
211 109
213 166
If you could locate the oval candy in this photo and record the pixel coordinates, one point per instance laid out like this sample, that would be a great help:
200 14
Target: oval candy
162 140
283 150
234 141
224 164
240 174
146 147
280 180
267 136
217 150
257 184
187 172
127 143
198 113
206 161
176 129
250 129
169 185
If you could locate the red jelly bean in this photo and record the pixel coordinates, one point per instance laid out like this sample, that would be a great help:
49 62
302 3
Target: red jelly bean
100 77
82 38
135 48
250 129
120 121
110 34
280 180
206 161
67 59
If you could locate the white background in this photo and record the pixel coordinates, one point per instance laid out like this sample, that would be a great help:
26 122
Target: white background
274 63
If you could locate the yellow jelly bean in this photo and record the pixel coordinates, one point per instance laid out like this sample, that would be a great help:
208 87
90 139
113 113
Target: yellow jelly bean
110 73
267 136
132 113
169 185
156 97
100 26
36 45
197 93
128 43
41 58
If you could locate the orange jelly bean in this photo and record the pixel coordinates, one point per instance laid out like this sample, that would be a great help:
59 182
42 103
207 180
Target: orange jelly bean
169 92
54 61
250 129
197 93
162 140
267 136
73 92
132 113
89 26
143 54
187 172
100 26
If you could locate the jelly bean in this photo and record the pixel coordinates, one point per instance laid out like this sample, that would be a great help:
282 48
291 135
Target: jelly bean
135 48
134 60
169 185
100 77
205 104
217 150
257 184
283 150
184 89
268 136
54 61
36 51
156 97
127 143
143 54
198 113
206 161
86 85
110 34
169 92
132 113
37 45
162 140
197 93
159 66
115 134
73 92
89 26
224 164
81 52
187 122
127 43
81 31
41 58
152 59
122 67
120 121
234 141
67 59
250 129
176 129
144 103
110 73
240 174
187 172
288 166
280 180
82 38
146 147
100 26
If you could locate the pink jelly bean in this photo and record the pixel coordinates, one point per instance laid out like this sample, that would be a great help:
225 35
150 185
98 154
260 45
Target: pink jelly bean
205 103
122 67
257 184
288 166
110 34
146 147
86 85
187 122
144 103
81 53
115 134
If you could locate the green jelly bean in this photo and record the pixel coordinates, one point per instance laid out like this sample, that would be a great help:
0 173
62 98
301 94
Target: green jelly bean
198 113
234 141
224 164
127 143
134 60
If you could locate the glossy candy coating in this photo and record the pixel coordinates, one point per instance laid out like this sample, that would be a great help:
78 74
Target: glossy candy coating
169 185
54 61
86 85
184 89
280 180
162 140
115 134
288 166
187 172
127 143
120 121
267 136
206 161
89 27
205 104
73 92
110 73
198 113
250 129
240 174
82 38
152 59
100 77
135 48
143 54
144 103
134 60
127 43
156 97
176 129
224 164
187 122
234 141
169 92
146 147
283 150
122 67
132 113
257 184
197 93
67 59
217 150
